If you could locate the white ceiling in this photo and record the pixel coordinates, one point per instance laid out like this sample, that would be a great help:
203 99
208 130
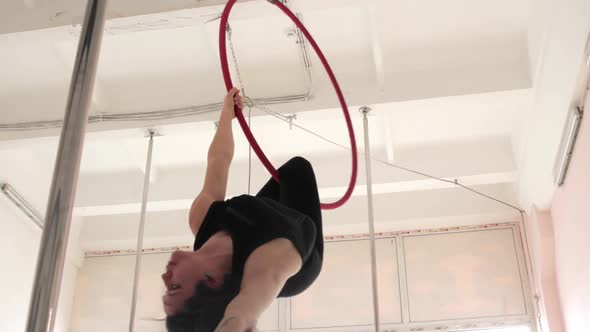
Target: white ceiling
400 51
448 83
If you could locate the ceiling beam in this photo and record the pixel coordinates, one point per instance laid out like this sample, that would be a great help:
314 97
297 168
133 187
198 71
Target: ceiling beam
99 103
376 48
422 185
137 151
387 124
325 193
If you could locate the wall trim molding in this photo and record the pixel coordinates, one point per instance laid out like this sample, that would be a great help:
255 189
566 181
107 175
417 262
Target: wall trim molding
331 238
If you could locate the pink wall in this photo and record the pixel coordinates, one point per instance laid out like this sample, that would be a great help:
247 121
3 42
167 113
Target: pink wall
559 242
571 225
541 242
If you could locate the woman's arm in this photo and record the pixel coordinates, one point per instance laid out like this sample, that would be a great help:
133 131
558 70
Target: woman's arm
219 158
266 271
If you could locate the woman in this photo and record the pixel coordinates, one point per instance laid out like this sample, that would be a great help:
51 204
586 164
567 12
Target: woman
248 250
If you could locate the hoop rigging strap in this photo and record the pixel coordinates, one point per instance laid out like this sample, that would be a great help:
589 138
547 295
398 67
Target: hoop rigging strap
240 116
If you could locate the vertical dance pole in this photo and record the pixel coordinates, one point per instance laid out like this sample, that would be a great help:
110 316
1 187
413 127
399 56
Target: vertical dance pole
52 251
365 110
146 188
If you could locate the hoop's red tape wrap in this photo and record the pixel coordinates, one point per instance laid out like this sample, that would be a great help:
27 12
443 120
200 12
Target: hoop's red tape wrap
244 124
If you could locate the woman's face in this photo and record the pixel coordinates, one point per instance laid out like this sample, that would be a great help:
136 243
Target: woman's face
183 272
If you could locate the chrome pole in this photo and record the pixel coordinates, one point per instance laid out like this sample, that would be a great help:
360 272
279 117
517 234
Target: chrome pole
365 110
146 188
52 251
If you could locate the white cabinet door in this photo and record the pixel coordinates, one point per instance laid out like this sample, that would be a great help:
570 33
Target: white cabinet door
102 302
471 274
103 295
342 294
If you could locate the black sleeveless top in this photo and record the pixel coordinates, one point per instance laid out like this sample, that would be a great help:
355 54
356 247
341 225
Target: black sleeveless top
254 221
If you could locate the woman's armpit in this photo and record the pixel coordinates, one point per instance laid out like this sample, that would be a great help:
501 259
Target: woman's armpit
279 254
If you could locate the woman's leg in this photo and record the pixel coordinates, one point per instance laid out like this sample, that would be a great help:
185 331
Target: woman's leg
297 189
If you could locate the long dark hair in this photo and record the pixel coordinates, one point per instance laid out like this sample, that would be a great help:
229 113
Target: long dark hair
204 310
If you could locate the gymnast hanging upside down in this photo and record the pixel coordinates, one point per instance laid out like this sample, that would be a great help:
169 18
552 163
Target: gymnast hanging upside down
248 250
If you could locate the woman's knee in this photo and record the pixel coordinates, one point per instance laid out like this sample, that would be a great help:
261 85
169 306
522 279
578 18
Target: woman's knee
298 163
297 169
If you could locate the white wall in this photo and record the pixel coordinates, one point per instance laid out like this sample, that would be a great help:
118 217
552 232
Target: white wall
19 245
556 41
30 174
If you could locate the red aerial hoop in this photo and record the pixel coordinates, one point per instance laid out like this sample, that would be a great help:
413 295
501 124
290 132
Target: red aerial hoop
240 115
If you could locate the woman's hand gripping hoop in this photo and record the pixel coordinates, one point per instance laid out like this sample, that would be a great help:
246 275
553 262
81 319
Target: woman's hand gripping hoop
228 83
